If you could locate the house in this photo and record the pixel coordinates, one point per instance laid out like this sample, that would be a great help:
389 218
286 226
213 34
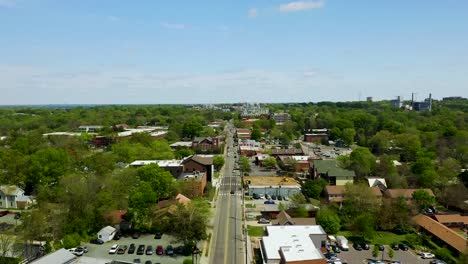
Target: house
11 196
260 158
407 194
170 206
453 239
107 233
329 170
250 150
101 141
272 185
200 163
205 143
284 218
336 193
296 244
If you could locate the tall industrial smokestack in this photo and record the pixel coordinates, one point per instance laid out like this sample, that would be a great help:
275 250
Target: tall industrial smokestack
430 102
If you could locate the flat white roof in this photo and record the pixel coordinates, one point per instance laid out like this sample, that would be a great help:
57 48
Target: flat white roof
161 163
294 242
182 144
158 133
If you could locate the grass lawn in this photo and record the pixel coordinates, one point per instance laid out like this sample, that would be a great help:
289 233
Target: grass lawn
255 231
382 237
250 205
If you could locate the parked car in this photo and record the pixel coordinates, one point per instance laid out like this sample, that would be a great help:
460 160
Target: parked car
117 236
179 250
395 247
255 196
357 247
123 249
3 213
96 241
169 250
148 262
77 251
365 246
403 247
159 250
262 196
137 260
273 197
269 202
158 235
149 250
136 235
131 249
141 250
395 262
113 249
437 261
336 249
263 221
427 255
330 255
268 197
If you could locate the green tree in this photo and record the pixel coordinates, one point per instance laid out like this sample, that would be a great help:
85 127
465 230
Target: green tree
364 226
391 253
313 188
380 142
362 161
297 199
375 252
269 162
160 180
348 135
189 223
409 144
183 153
191 129
256 133
244 164
423 199
218 162
46 166
329 220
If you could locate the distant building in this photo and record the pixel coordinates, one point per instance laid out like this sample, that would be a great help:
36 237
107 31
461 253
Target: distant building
89 129
397 103
454 98
205 143
243 133
280 118
107 233
369 99
272 185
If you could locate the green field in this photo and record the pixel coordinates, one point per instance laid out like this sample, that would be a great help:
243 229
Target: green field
255 231
382 237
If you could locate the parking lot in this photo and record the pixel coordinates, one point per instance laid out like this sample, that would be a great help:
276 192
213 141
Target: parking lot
405 257
102 251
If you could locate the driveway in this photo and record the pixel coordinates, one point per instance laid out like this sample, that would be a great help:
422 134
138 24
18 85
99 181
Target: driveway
102 251
354 257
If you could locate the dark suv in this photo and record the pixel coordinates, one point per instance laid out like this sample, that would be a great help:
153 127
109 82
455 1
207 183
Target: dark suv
141 250
131 249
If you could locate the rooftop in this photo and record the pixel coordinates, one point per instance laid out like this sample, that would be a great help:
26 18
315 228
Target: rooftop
161 163
405 193
60 256
187 144
452 218
293 242
331 168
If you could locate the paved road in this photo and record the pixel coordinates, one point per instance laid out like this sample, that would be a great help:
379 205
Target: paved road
228 244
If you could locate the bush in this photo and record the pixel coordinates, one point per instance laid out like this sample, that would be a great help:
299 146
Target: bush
444 254
414 240
188 261
71 240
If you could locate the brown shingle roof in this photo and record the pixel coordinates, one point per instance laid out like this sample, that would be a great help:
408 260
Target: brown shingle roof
202 160
284 218
444 233
376 191
405 193
452 218
334 189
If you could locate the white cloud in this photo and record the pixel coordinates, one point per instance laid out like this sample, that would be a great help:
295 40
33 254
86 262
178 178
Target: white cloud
252 13
173 25
300 6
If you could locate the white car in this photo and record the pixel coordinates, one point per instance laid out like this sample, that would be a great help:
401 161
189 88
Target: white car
77 251
114 249
427 255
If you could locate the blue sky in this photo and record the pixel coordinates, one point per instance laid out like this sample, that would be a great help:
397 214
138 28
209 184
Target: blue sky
87 51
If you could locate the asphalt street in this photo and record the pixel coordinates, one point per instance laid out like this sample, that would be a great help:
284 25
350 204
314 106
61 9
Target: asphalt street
228 244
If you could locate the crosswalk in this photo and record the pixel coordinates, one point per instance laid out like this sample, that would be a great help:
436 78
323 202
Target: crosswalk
229 194
230 184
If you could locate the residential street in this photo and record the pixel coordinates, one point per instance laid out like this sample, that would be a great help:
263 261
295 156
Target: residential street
227 245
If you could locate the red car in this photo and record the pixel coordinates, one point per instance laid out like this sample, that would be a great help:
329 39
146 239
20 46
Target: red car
159 250
3 213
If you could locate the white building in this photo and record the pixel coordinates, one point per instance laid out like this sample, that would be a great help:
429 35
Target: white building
107 233
11 196
293 244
